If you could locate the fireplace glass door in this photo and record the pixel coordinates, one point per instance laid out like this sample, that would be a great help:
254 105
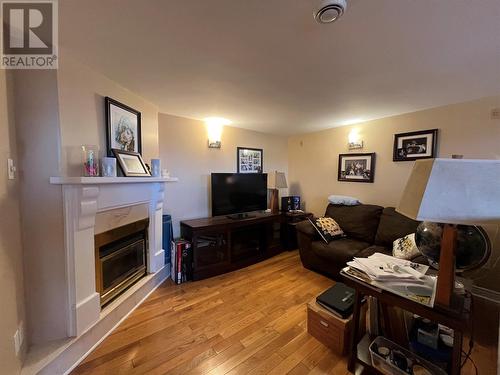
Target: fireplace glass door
119 264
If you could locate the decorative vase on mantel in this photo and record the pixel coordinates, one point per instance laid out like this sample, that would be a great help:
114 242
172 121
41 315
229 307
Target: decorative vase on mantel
90 159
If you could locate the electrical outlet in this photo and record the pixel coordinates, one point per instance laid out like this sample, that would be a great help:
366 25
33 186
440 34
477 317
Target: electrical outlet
495 114
11 169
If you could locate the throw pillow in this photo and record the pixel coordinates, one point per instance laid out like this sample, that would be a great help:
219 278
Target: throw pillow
327 228
343 200
405 247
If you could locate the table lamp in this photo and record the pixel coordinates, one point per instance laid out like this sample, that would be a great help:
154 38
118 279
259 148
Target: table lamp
277 180
451 192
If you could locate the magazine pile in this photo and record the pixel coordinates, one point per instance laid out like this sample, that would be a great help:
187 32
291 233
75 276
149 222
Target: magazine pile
399 276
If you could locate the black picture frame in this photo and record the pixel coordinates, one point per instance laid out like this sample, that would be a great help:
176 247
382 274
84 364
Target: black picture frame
357 175
137 170
423 145
249 166
130 120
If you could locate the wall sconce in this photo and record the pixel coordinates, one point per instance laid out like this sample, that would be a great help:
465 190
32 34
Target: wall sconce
355 142
214 130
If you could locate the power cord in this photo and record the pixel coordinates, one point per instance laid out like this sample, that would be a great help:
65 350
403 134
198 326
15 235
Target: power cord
467 356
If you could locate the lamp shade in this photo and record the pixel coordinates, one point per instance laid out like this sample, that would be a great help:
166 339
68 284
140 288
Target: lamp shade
453 191
277 180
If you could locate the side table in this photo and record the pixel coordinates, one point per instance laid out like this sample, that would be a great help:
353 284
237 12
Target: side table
288 231
457 318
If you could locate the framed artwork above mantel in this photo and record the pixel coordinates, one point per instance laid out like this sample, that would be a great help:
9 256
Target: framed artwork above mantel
123 127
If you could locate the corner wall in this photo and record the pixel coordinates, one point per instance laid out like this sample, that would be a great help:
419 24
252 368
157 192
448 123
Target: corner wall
56 113
184 152
81 107
11 251
464 128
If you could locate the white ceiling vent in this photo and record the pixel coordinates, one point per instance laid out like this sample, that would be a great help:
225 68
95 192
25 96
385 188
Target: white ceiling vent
330 10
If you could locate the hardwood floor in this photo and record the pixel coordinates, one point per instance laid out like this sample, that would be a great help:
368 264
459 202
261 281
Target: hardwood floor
251 321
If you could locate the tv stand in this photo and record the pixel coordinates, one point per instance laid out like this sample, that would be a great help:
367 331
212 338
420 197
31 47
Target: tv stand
244 215
222 244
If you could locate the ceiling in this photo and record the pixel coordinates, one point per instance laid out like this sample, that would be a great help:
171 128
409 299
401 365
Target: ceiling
268 66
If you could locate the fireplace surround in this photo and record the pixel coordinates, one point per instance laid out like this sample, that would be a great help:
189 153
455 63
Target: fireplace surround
86 201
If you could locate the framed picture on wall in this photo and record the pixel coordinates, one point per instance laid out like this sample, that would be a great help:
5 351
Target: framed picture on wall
415 145
131 163
357 167
123 127
250 160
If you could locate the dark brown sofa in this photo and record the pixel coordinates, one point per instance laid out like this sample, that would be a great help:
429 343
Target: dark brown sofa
369 229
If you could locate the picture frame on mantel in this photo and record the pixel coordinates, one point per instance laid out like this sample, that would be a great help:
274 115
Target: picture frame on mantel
356 167
415 145
250 160
131 163
123 127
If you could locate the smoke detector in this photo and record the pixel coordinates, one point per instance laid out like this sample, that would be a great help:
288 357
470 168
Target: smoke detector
330 10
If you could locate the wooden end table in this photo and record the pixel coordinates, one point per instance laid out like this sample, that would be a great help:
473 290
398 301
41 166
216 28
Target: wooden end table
457 318
288 231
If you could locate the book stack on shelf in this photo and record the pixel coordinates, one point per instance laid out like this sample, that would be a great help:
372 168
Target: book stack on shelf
181 261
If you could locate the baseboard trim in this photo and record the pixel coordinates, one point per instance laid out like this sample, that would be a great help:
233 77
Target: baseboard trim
117 324
66 357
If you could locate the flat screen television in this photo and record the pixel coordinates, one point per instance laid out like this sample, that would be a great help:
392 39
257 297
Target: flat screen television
238 193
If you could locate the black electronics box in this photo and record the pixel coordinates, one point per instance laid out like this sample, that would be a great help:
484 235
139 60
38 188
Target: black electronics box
290 203
339 300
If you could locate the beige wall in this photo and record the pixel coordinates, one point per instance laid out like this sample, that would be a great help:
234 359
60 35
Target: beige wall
11 253
185 153
38 139
465 129
81 98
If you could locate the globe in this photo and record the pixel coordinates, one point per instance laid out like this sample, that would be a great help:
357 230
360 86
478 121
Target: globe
473 245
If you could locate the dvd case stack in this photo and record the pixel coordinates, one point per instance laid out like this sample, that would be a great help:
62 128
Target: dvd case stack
181 261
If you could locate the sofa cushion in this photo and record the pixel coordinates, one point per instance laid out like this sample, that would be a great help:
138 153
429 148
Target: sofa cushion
327 228
405 247
338 251
358 222
392 226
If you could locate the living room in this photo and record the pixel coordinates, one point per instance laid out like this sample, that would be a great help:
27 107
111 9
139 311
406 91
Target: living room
337 108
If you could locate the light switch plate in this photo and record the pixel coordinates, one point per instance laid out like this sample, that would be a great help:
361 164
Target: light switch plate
11 169
19 339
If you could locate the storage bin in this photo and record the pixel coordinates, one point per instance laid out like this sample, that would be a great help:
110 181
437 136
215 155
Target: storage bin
168 236
384 365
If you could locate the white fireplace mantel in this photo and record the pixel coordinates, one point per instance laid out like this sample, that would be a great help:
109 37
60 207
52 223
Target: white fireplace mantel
84 198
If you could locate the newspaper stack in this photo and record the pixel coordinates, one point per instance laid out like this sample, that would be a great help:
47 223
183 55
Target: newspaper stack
399 276
381 267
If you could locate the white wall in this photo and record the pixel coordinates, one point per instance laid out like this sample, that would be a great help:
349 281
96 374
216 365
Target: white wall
184 152
11 252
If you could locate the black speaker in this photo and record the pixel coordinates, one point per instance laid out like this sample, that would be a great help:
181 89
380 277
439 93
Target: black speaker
290 203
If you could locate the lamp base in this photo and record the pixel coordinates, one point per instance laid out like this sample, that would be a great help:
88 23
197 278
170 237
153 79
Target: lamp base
446 274
273 201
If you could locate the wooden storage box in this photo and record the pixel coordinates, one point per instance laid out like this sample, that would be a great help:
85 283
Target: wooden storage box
330 330
327 328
